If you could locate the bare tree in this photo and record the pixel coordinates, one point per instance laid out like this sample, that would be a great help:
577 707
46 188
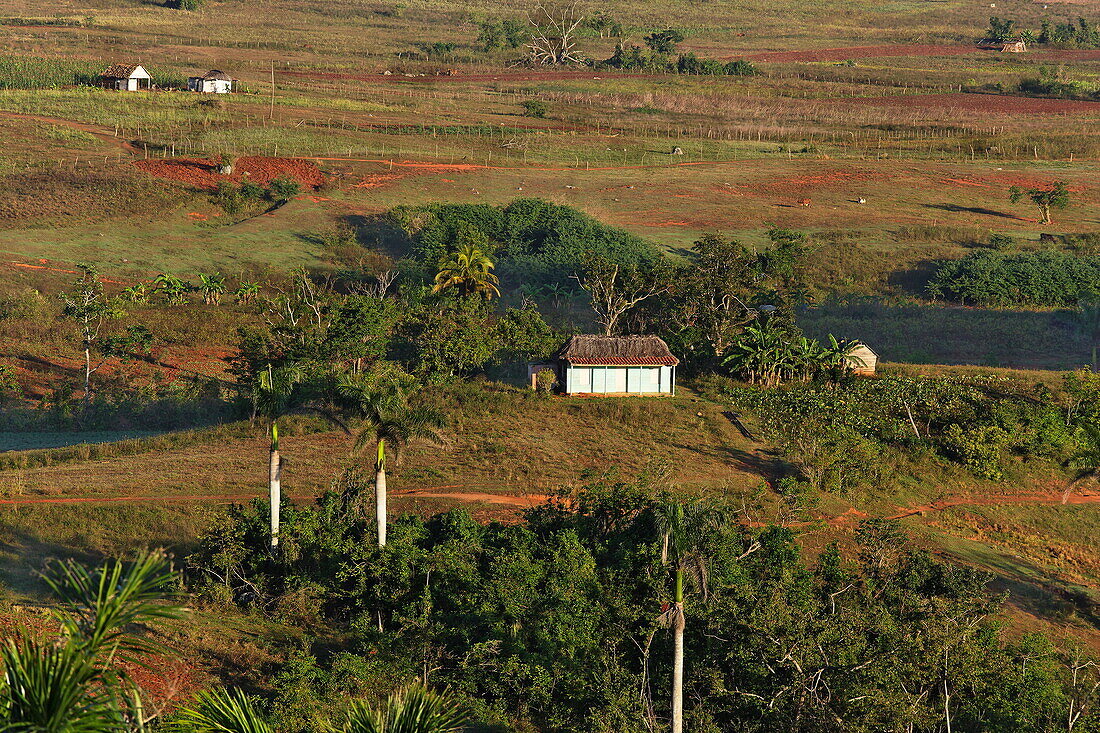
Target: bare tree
89 307
615 290
553 30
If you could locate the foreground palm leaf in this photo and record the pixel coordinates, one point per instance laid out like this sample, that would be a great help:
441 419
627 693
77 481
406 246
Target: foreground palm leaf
223 711
72 684
412 710
52 687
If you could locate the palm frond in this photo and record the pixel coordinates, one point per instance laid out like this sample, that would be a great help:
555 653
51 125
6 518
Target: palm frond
415 709
98 606
53 687
222 711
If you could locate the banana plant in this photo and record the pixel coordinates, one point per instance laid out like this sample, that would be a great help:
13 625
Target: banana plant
212 286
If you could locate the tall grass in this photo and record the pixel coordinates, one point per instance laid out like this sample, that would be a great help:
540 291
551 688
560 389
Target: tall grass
28 72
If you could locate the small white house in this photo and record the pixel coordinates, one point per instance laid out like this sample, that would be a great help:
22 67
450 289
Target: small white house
615 365
126 78
212 82
862 361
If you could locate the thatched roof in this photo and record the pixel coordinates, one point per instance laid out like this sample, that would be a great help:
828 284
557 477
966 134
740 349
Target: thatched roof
120 71
592 350
215 74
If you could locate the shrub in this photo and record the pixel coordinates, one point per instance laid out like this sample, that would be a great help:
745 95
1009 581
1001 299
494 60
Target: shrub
1002 242
546 380
24 304
535 108
228 196
283 189
250 190
979 448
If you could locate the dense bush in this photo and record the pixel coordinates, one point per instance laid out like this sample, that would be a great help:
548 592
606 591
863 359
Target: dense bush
554 623
992 278
530 240
836 436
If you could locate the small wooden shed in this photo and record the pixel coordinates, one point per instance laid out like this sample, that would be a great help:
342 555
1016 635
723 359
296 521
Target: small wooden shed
126 78
615 365
862 361
1003 46
212 82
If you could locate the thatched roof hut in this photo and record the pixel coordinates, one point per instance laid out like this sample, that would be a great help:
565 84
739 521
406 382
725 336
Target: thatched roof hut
125 77
593 350
619 365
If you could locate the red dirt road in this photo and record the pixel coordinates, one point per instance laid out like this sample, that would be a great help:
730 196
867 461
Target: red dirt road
526 500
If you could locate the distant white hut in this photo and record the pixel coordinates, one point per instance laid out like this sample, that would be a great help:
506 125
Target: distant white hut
862 361
212 82
125 78
1002 46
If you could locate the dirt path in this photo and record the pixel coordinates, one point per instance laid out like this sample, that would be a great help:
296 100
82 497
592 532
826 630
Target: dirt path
526 500
93 130
1053 497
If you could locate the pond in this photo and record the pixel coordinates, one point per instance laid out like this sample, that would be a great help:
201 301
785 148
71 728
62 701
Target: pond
61 439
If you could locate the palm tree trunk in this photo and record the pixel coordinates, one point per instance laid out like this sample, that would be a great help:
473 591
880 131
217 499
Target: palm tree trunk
678 657
275 483
380 493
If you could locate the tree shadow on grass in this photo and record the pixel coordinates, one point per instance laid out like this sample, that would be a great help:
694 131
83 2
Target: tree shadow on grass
761 462
956 209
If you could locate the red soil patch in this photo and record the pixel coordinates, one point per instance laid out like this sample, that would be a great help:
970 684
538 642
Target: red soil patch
1005 180
380 179
203 173
800 185
985 103
530 75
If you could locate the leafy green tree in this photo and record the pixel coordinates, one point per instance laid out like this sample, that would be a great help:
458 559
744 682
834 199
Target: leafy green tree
664 42
87 305
1046 199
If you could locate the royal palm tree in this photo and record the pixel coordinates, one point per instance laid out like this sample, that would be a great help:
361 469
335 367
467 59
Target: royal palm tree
682 529
275 392
273 395
388 420
469 271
